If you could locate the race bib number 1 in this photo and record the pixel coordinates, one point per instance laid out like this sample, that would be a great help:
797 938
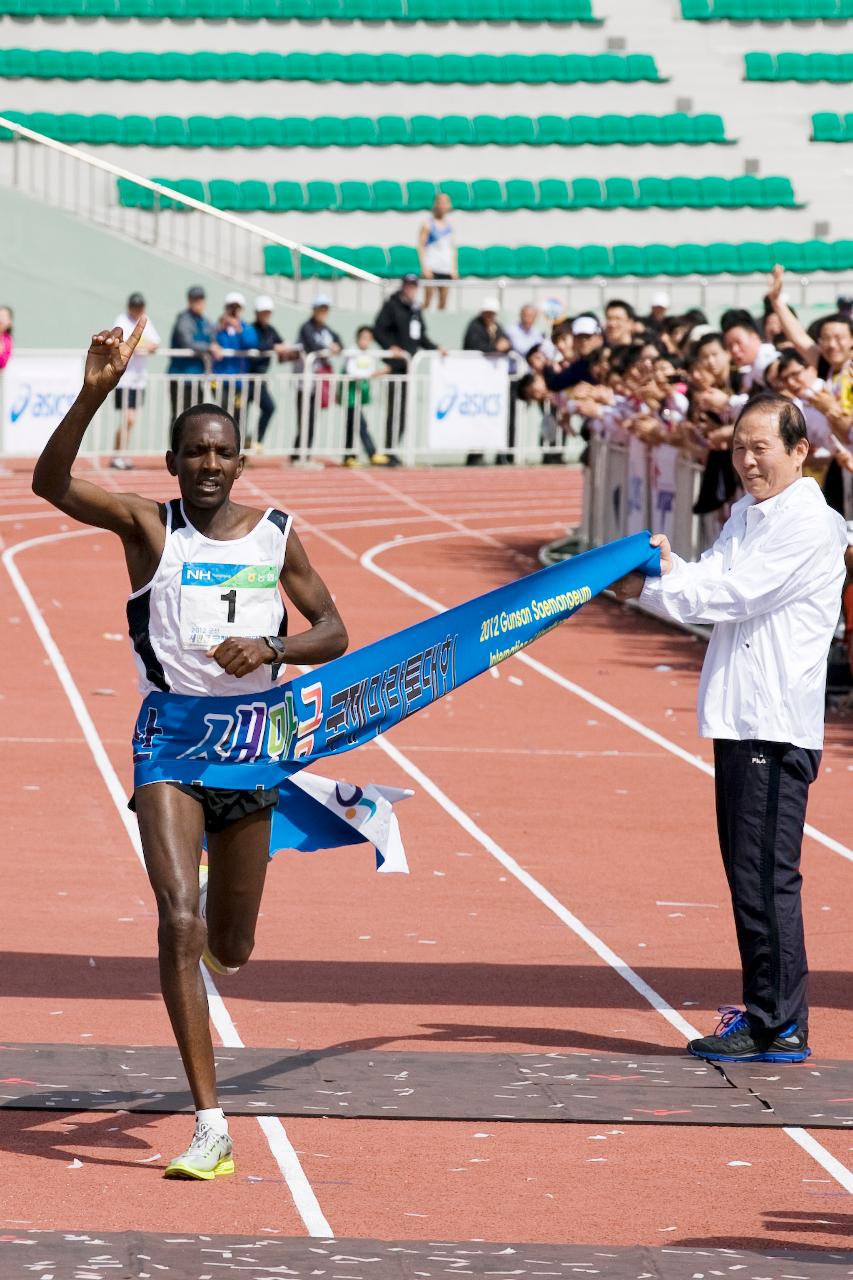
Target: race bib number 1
222 600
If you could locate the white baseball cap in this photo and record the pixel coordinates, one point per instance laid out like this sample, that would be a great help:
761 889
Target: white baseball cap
234 299
321 300
660 299
585 327
264 303
490 303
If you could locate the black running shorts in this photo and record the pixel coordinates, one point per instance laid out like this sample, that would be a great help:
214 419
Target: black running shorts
223 807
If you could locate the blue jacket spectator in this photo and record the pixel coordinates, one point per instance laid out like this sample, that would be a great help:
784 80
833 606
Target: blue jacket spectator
192 331
234 336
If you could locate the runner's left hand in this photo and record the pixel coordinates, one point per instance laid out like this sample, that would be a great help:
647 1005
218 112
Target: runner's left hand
239 656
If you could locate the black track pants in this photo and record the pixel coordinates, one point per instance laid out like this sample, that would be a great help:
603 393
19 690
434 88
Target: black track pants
762 789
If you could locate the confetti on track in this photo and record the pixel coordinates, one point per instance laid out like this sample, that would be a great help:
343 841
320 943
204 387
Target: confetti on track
610 824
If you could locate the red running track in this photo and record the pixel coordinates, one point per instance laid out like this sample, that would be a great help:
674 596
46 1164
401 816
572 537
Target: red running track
462 954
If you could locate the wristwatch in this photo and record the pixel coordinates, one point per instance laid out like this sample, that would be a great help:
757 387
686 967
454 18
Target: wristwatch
276 643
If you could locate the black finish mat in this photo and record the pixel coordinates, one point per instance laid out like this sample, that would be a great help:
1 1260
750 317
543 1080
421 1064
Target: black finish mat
549 1087
142 1256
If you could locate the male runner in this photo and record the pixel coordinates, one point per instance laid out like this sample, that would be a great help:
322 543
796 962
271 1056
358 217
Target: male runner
175 625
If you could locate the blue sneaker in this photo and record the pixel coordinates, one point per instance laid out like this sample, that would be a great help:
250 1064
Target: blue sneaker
736 1041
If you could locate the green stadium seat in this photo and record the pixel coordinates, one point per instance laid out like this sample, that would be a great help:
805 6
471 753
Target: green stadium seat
747 192
827 127
521 194
373 258
403 260
138 131
225 194
486 193
642 66
613 129
691 259
760 66
360 131
470 262
723 259
552 68
456 131
499 260
593 260
355 197
660 260
848 126
389 195
627 260
819 256
255 195
288 197
686 193
562 261
420 194
587 194
320 196
649 130
520 131
202 131
426 131
312 269
530 260
789 253
266 131
604 67
278 260
794 66
707 128
619 193
827 66
132 196
553 193
754 257
392 131
329 131
715 193
459 193
237 131
186 186
653 193
842 255
553 131
488 131
329 66
170 131
697 10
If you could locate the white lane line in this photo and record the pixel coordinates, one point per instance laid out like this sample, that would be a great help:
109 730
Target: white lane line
285 1156
804 1140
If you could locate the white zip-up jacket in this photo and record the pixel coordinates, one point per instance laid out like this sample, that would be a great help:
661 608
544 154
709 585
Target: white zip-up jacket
771 587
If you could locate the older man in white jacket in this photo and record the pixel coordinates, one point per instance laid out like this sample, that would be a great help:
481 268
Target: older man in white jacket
771 587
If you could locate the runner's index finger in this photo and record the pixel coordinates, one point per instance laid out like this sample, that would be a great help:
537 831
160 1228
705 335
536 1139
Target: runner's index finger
139 329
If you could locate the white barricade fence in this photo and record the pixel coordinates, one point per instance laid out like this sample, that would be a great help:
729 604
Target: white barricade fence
434 407
632 487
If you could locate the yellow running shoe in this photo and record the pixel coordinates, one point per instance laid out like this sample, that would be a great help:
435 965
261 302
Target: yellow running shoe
209 1155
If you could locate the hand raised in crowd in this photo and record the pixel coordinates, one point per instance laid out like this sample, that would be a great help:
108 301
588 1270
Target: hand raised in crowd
775 284
108 356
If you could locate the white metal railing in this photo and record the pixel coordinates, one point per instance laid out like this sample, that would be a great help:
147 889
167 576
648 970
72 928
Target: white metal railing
69 178
315 412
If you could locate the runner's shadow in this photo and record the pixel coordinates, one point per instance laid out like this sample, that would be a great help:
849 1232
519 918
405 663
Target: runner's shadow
548 1037
25 1134
777 1250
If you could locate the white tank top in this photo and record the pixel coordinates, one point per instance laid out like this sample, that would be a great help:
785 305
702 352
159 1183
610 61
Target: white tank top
205 590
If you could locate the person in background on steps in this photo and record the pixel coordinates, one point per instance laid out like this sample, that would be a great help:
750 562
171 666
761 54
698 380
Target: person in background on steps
130 396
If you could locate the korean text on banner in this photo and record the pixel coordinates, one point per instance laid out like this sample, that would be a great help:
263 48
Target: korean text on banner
468 404
36 395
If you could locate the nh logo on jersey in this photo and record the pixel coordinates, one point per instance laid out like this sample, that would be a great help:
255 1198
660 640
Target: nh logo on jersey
251 576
